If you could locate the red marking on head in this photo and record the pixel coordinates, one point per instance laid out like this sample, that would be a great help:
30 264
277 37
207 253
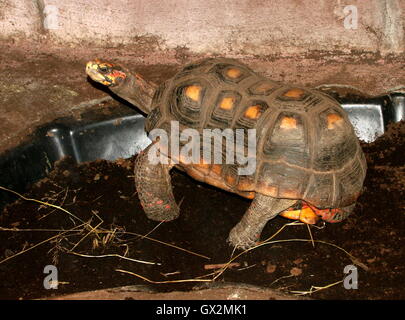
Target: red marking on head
118 74
326 214
167 206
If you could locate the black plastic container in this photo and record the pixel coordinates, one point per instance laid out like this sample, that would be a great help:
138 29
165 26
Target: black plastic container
95 136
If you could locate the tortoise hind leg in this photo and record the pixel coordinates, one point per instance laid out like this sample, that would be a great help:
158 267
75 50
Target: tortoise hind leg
154 188
263 208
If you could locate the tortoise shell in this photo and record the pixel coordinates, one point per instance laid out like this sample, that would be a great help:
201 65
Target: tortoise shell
306 146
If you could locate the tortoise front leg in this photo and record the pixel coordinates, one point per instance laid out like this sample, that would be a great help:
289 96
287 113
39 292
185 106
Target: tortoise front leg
154 188
263 208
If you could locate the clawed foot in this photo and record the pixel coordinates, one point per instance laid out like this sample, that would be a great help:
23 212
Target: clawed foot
161 211
242 240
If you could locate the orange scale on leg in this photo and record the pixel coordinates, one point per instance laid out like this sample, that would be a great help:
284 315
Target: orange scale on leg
216 169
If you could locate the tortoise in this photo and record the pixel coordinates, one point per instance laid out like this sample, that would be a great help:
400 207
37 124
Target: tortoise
309 163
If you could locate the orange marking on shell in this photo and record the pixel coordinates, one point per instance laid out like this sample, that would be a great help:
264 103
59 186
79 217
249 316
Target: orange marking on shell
233 73
202 167
230 180
333 120
180 158
249 195
288 123
193 92
253 112
295 93
263 87
290 194
193 173
219 183
245 185
205 163
216 169
227 103
268 190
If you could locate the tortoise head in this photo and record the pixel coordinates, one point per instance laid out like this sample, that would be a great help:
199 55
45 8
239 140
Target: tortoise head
105 73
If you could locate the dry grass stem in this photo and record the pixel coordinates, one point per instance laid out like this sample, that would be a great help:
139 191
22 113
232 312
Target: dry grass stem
281 278
38 230
221 265
115 256
315 289
39 243
167 244
43 203
61 203
310 235
162 282
168 274
87 234
157 226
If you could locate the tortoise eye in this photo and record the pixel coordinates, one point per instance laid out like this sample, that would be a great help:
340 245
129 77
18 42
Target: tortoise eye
103 68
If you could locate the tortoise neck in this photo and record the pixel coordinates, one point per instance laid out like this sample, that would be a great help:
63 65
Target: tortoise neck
137 91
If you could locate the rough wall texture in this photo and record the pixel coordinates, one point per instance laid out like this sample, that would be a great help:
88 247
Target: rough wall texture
45 44
238 27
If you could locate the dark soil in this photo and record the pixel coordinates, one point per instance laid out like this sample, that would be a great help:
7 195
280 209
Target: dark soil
102 194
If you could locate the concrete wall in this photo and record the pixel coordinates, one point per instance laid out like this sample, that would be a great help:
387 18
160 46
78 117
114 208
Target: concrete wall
239 27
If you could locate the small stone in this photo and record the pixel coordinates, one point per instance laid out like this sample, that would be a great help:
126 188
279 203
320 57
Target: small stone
270 268
296 271
372 260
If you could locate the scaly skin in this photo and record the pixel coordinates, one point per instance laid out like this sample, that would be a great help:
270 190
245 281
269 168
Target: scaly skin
154 188
129 86
263 208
